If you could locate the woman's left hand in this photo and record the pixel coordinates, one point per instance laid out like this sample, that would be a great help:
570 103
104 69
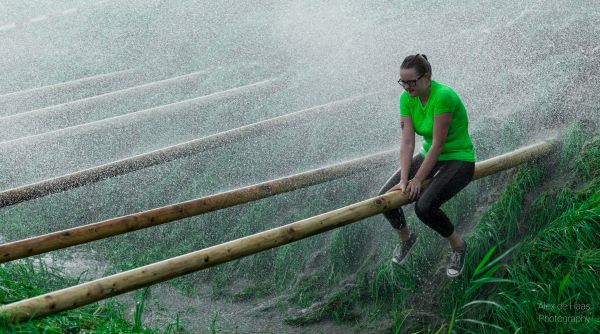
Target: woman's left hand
414 189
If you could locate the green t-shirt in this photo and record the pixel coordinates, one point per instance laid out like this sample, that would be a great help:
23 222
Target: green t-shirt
442 99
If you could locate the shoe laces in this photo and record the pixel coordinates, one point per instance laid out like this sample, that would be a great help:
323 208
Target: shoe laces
455 257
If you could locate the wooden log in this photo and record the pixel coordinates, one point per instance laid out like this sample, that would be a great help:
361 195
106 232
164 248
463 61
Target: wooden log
514 158
99 289
39 97
115 226
97 109
145 160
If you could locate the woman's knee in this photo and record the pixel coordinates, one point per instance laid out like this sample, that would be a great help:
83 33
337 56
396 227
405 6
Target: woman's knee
423 209
396 218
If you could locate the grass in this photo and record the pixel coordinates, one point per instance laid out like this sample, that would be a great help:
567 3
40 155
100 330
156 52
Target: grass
497 229
381 288
142 296
359 250
213 324
550 284
27 279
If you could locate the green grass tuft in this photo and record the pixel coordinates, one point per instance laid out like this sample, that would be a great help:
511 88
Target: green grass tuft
550 284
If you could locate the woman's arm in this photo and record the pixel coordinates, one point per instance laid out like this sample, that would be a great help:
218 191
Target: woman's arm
407 148
441 123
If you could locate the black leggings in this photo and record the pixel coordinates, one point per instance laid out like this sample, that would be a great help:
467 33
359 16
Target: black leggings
448 178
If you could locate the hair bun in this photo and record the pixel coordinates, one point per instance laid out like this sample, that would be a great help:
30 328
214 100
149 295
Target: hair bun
419 62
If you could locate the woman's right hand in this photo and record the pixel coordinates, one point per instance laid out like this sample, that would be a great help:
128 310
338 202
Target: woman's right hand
400 186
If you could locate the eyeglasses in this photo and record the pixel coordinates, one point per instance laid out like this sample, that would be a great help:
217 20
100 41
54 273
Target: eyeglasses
410 83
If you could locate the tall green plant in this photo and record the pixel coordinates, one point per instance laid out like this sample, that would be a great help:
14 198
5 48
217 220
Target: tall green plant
554 275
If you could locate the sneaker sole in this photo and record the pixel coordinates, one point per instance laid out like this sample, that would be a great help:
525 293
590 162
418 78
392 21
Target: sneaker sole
457 274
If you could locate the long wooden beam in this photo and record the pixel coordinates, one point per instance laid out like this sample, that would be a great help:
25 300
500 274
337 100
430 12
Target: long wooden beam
39 97
103 288
141 161
115 226
94 108
130 116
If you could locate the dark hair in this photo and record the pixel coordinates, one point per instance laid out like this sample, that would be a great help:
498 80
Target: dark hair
419 62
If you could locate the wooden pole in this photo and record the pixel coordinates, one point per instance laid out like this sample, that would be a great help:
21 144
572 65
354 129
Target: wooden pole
138 162
99 289
99 110
40 97
115 226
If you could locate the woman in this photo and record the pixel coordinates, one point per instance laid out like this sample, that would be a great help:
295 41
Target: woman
434 111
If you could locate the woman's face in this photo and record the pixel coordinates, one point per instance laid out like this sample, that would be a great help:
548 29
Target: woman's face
413 83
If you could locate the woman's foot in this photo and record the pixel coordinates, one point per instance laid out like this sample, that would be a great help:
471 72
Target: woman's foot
403 249
456 262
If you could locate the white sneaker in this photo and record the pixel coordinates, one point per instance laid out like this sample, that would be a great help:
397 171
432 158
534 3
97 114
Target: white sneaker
456 264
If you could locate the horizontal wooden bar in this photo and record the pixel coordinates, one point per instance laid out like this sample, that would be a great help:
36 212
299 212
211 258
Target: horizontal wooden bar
115 226
103 288
145 160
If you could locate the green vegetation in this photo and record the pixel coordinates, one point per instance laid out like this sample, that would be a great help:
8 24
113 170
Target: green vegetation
547 257
333 275
550 283
535 290
28 278
531 250
543 280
